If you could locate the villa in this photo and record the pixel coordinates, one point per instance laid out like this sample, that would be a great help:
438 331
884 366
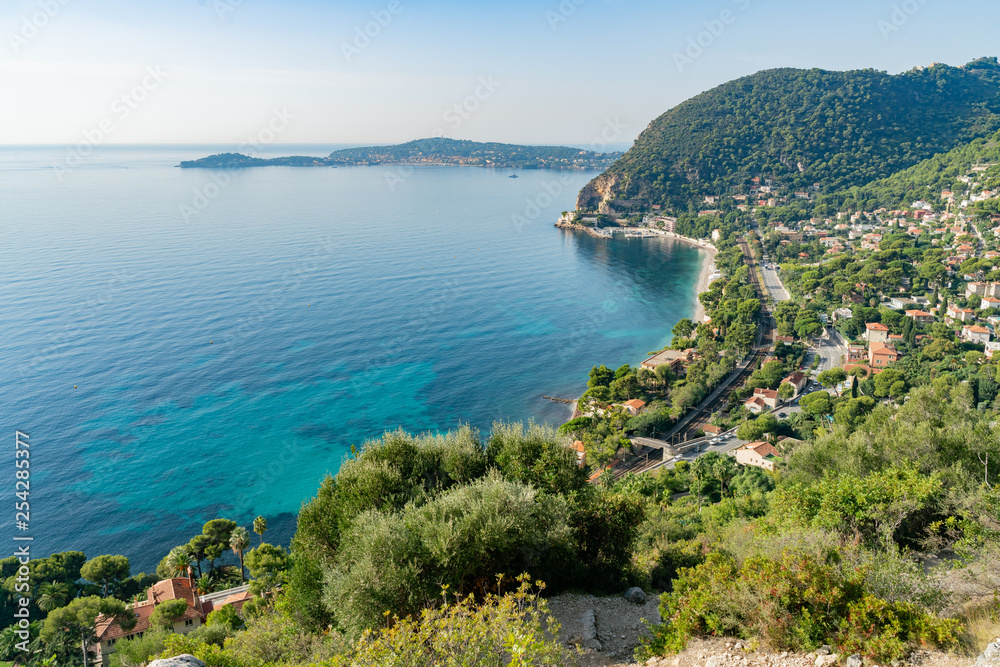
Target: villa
759 454
109 633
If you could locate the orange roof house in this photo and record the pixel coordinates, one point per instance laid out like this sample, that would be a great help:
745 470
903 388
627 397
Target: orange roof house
876 332
108 633
921 316
769 396
759 454
797 379
975 334
634 406
881 355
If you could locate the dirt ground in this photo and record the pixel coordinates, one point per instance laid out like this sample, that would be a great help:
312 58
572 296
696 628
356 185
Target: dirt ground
618 625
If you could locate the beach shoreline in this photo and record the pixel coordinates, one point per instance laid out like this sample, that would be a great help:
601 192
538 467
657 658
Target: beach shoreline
701 285
704 276
707 265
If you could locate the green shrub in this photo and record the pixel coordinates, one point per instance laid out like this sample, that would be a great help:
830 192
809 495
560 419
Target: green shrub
795 602
385 475
605 526
513 630
463 538
226 617
167 613
212 634
210 654
140 650
535 455
885 630
274 638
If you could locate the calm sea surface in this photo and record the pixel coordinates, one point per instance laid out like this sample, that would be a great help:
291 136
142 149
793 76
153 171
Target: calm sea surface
184 344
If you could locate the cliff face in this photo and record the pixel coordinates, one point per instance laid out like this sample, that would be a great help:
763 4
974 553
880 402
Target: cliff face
596 194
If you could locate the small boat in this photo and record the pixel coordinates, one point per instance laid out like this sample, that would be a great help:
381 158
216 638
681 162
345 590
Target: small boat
513 176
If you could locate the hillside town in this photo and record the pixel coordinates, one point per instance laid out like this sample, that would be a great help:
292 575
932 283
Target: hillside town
862 304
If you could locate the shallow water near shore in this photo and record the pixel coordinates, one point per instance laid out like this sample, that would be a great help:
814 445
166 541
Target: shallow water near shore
177 358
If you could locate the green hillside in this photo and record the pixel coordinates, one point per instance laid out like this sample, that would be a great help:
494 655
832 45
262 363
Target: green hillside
799 128
443 150
433 151
927 179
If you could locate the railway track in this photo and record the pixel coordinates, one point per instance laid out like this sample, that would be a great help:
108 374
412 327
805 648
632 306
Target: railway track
761 349
647 460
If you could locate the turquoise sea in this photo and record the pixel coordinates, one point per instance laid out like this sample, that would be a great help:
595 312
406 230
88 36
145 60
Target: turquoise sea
183 344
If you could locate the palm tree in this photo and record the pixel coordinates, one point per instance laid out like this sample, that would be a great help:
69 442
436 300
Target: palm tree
239 541
52 595
260 527
701 469
724 469
179 561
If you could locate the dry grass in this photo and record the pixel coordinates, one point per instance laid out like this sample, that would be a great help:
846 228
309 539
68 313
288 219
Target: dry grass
982 625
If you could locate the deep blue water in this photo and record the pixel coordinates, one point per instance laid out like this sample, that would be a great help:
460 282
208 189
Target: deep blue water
177 358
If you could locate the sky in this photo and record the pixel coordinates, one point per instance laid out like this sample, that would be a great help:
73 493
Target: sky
578 72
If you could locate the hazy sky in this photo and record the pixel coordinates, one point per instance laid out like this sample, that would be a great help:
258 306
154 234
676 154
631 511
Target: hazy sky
216 71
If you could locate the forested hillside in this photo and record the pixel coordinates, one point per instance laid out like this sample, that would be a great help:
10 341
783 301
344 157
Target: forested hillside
800 128
926 180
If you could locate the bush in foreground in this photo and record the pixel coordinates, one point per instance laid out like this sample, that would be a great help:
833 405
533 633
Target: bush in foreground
797 601
512 630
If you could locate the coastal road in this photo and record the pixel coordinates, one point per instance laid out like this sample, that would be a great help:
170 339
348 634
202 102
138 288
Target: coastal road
830 347
773 285
831 350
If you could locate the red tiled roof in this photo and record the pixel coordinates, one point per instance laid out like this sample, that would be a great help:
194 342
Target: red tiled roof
795 377
762 448
106 629
876 326
236 599
177 588
881 349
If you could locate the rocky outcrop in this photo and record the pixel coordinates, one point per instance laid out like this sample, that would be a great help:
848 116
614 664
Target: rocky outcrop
184 660
714 652
589 637
595 195
635 595
991 656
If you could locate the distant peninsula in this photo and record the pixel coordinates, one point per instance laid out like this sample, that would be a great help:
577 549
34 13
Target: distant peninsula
431 152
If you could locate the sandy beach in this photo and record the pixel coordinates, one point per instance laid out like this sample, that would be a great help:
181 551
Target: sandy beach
707 268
